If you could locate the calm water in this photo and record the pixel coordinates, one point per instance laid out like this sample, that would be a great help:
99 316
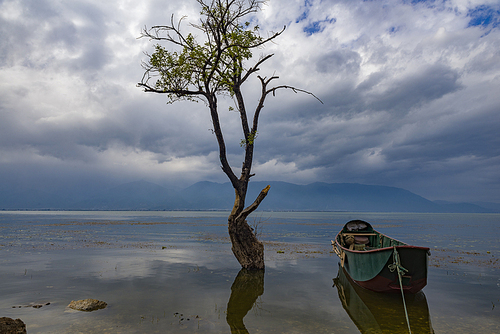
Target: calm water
173 272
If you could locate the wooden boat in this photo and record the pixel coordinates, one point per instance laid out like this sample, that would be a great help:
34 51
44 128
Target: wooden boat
377 313
379 263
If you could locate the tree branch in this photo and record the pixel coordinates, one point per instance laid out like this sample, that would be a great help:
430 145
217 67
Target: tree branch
180 92
212 100
256 45
181 40
251 208
294 89
255 68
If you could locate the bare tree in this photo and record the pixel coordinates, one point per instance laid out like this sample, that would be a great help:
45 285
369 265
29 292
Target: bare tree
211 67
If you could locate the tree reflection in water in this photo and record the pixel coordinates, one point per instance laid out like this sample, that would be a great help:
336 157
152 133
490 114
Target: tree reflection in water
247 287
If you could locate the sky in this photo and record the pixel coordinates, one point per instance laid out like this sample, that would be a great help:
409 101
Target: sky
410 91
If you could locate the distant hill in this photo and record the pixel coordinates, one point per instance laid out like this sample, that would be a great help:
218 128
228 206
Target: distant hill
488 205
343 197
465 207
140 195
283 196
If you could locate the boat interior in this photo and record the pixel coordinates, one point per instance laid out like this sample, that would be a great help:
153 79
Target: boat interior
359 235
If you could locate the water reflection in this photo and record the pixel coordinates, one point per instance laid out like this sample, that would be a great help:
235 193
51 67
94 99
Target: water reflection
378 313
247 287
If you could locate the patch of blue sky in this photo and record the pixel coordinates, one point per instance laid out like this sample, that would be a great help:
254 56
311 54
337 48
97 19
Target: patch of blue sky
393 30
414 2
317 26
302 17
484 16
436 4
305 14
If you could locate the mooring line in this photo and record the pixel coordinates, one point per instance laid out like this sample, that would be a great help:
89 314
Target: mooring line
397 266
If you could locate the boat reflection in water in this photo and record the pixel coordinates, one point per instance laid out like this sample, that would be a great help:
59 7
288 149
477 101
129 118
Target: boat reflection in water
376 313
246 288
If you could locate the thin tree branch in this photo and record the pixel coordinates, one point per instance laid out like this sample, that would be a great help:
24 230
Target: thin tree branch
294 89
179 92
255 68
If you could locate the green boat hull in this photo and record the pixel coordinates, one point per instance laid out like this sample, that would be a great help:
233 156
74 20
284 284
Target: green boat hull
372 264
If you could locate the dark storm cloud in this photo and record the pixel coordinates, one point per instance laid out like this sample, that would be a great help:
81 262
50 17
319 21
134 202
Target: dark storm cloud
427 84
51 34
474 133
339 62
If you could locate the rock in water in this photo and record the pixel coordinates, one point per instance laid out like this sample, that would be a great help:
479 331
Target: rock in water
11 326
87 305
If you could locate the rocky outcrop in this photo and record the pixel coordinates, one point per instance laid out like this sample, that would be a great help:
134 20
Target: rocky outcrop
11 326
87 305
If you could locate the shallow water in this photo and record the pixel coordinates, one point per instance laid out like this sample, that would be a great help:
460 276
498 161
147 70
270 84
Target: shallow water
174 272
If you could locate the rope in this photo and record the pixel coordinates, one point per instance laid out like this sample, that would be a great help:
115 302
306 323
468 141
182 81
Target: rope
396 265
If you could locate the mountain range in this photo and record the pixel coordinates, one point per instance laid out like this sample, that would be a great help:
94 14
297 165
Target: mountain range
143 195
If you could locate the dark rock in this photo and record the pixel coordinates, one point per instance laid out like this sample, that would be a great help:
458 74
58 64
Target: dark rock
87 305
11 326
30 305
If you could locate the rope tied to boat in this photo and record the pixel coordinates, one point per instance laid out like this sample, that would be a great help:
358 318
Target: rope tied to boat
396 266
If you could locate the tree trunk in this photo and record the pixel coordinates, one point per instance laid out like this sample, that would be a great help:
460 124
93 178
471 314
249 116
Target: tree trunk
247 249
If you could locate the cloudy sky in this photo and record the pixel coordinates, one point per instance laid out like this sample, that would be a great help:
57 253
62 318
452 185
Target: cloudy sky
411 93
